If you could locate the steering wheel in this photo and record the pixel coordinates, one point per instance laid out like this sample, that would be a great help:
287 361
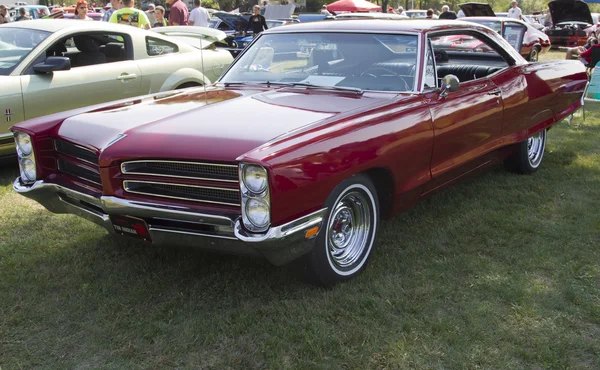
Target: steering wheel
369 72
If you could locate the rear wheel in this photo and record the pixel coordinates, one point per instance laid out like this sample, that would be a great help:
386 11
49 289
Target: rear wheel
534 54
529 154
346 239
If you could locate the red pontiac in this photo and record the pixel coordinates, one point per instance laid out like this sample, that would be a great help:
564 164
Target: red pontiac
313 135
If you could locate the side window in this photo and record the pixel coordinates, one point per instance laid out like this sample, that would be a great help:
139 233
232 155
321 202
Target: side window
159 47
429 77
469 55
223 27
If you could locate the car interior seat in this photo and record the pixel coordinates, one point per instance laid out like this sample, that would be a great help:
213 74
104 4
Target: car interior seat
89 51
114 52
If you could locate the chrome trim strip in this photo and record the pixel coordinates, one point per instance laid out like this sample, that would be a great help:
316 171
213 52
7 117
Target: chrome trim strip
283 231
124 171
126 188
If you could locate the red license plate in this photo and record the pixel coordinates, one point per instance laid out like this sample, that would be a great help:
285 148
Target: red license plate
130 226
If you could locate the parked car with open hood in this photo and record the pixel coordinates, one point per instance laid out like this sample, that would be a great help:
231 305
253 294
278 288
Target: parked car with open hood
50 65
527 40
298 161
572 23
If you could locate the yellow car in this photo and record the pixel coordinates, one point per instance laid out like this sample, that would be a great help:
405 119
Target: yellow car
53 65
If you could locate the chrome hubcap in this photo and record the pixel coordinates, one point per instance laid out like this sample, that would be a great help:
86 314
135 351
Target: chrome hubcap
349 228
535 148
534 56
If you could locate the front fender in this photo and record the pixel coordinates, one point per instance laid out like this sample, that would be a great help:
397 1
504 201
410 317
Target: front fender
183 76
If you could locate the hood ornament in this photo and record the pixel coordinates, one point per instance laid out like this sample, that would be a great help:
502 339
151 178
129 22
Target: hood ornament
119 137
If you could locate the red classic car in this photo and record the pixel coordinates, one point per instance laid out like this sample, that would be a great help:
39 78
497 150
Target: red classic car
298 156
525 38
572 23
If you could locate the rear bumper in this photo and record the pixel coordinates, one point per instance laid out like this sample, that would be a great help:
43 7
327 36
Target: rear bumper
280 244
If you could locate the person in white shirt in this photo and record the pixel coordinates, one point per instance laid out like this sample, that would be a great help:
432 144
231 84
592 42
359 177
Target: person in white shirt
514 11
199 17
324 10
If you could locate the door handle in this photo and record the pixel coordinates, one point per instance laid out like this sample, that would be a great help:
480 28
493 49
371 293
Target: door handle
126 76
495 92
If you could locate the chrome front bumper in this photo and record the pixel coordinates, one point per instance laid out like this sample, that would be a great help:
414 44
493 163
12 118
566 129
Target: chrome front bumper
280 244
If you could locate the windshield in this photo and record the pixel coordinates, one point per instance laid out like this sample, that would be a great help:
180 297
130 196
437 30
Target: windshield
381 62
495 25
213 23
15 45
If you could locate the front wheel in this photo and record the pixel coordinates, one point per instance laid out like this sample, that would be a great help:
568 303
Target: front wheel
346 240
529 154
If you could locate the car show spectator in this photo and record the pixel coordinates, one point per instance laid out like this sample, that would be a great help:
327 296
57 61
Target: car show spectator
324 10
114 6
81 10
447 14
150 13
199 16
160 17
4 13
514 11
23 16
257 22
429 13
130 16
179 14
586 56
576 52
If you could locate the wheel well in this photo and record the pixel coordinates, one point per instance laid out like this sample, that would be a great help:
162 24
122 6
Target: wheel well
384 184
187 84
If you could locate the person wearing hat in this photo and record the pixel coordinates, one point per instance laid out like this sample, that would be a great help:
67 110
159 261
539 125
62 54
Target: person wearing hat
81 10
150 13
324 10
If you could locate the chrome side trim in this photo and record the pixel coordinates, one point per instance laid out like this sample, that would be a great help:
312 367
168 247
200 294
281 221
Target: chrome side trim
280 232
126 187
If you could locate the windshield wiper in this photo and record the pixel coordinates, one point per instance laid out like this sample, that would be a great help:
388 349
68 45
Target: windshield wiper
307 85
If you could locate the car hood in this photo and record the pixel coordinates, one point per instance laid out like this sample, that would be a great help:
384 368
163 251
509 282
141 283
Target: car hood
220 125
570 11
477 10
237 22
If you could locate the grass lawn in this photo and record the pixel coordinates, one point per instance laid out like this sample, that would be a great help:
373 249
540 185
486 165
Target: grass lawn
499 272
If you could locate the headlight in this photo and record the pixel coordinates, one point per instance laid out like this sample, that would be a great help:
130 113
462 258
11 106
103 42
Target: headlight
24 143
255 178
28 169
257 211
256 199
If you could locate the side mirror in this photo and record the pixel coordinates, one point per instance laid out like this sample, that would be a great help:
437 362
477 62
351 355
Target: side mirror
53 64
450 83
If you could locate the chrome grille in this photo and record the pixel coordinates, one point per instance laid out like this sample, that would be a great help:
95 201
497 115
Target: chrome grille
178 169
77 151
206 194
88 173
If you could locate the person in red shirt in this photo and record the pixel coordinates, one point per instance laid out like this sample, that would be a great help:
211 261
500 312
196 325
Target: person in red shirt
586 56
179 14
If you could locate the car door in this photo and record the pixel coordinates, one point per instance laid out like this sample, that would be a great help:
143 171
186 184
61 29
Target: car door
466 122
46 93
